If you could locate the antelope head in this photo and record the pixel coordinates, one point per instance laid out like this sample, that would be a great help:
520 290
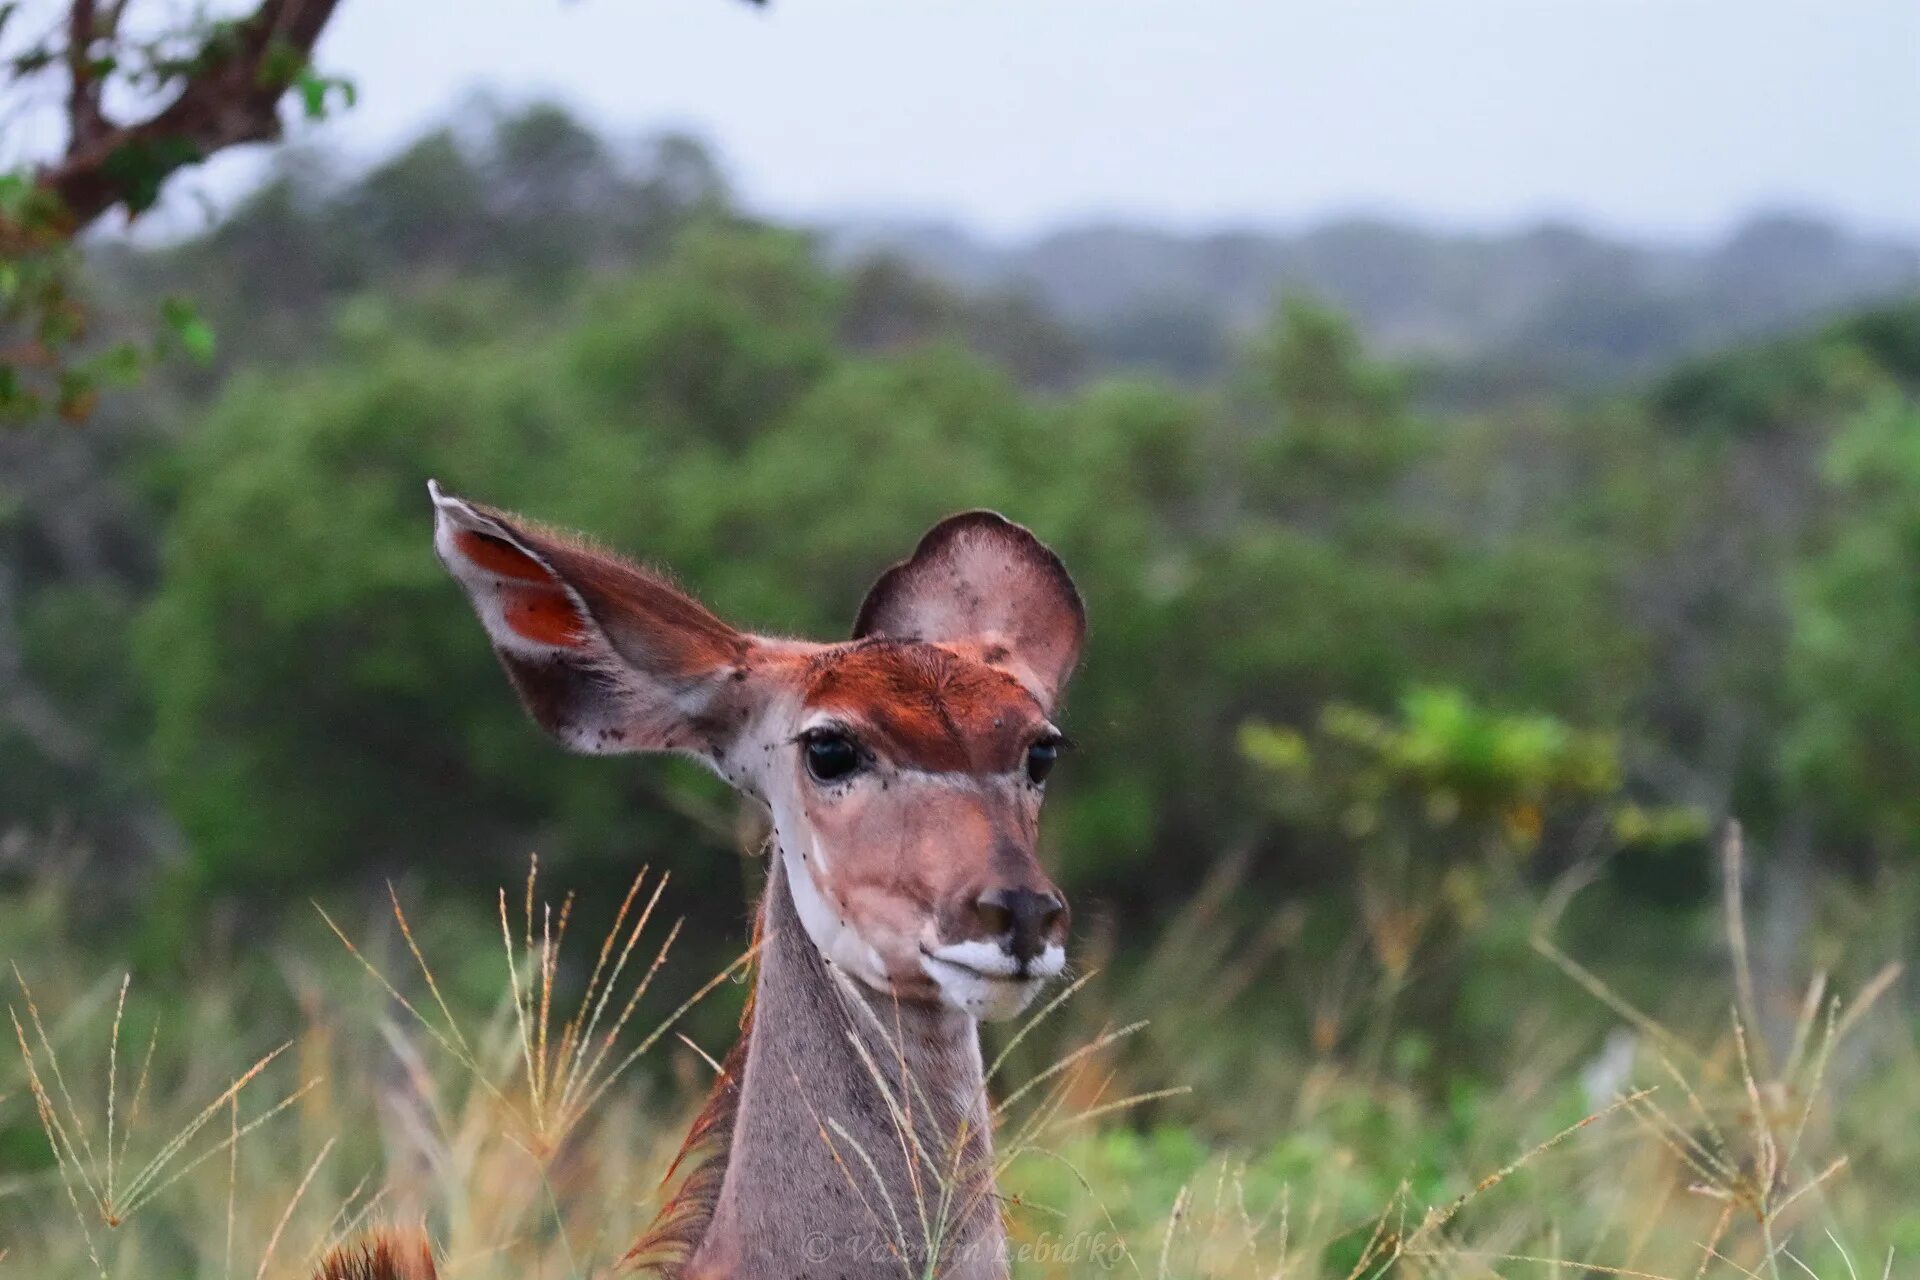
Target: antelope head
904 769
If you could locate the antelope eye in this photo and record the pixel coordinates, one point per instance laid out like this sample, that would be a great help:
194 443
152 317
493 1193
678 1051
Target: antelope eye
1041 757
830 756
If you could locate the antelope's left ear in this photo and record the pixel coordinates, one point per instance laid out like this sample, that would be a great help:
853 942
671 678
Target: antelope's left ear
978 579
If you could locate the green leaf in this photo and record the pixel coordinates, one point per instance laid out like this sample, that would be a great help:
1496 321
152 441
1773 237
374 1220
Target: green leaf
313 95
316 90
189 329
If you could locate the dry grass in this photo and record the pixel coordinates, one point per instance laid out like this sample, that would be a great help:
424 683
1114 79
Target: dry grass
1711 1159
520 1134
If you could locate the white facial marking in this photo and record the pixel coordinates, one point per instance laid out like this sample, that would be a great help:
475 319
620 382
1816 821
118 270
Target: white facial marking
766 743
836 939
979 978
994 960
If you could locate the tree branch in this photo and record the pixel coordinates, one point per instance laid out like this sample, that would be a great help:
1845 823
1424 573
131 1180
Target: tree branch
233 98
85 120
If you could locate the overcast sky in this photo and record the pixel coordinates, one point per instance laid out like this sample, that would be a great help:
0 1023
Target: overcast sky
1660 117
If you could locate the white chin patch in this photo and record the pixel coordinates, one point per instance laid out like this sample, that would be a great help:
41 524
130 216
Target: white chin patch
982 980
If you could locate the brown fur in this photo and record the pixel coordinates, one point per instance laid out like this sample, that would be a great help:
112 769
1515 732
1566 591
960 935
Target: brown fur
928 707
384 1255
667 1245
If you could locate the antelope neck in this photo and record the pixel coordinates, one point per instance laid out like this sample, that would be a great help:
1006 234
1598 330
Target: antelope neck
861 1149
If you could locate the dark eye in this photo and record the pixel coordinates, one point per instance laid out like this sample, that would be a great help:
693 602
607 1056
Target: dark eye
1041 757
831 756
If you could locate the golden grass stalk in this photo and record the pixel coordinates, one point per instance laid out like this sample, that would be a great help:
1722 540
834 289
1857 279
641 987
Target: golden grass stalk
101 1175
566 1063
293 1202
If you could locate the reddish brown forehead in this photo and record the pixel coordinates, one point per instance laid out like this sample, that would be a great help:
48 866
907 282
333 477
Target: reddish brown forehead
926 707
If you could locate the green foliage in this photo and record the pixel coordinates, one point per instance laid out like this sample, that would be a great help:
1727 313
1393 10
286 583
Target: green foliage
1775 386
38 309
318 93
702 414
1439 811
1445 759
1856 627
218 80
1336 642
186 327
1342 421
1361 682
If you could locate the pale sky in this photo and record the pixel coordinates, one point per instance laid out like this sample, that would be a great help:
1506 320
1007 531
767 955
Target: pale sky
1666 118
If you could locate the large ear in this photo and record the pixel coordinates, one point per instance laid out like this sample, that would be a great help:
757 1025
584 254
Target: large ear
980 580
607 656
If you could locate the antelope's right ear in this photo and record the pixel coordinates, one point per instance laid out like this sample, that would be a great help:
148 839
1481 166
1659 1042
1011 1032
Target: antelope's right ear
607 656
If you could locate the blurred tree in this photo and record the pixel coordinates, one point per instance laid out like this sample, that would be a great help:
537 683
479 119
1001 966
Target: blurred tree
192 86
893 307
670 374
1179 336
206 84
1856 627
225 598
146 92
421 207
1333 430
1443 811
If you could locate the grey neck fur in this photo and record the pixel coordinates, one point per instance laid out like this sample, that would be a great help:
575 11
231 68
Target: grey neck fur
861 1149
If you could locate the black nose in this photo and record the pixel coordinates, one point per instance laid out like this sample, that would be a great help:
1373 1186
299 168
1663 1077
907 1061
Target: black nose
1021 916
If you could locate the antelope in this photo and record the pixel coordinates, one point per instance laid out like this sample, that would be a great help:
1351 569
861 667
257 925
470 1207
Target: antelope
848 1135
